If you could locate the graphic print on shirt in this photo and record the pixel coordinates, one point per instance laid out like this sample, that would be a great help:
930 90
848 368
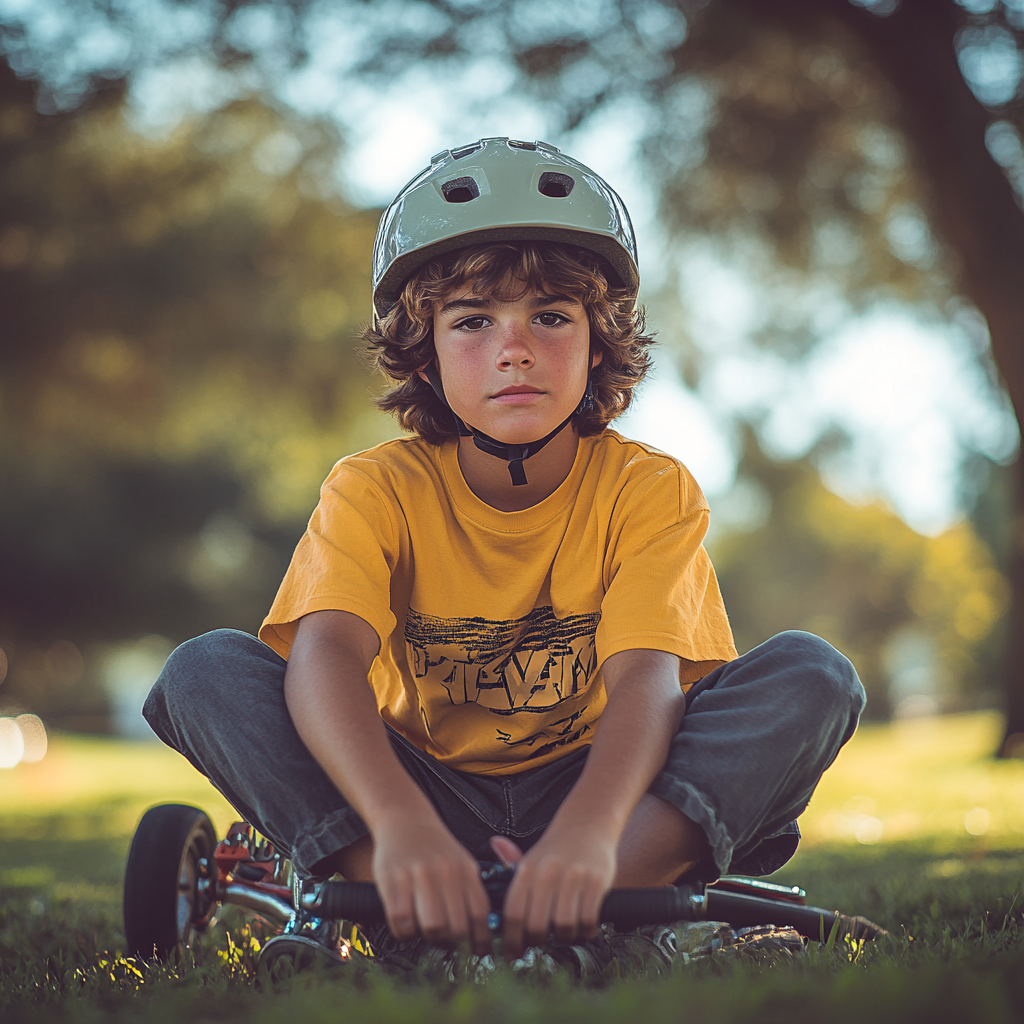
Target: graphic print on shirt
517 666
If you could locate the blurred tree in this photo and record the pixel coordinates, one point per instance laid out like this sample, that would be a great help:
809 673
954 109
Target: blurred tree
177 370
916 615
856 149
848 142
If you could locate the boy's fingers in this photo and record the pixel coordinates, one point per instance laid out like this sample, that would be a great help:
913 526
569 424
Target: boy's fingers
541 908
478 907
430 906
590 908
456 926
507 852
468 907
514 914
399 909
565 916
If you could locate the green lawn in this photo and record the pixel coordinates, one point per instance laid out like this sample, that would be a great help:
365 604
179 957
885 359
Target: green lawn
914 826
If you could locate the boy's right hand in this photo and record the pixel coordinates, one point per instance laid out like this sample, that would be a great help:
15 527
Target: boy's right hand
427 879
430 885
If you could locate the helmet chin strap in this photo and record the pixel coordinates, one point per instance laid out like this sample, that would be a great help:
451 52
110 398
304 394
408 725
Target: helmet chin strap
513 454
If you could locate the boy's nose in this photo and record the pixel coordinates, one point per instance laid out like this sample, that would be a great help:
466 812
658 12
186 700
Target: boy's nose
514 350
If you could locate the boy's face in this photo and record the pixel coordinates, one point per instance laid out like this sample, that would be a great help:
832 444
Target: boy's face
513 369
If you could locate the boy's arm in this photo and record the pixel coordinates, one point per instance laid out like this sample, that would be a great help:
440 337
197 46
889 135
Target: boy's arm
562 880
427 879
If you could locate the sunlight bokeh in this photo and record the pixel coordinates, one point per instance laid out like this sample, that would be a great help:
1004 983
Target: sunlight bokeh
23 740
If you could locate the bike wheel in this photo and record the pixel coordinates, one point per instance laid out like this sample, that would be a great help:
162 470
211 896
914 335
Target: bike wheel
164 902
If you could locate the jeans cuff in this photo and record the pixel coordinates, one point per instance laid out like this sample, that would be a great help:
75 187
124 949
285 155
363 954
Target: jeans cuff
688 801
768 854
334 833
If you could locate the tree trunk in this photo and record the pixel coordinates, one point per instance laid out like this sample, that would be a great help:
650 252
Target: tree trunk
973 209
1013 737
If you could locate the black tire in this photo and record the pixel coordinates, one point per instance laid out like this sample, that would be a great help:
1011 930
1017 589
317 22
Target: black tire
163 900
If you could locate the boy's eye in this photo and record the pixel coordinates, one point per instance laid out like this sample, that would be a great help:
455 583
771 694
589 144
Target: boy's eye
551 319
472 323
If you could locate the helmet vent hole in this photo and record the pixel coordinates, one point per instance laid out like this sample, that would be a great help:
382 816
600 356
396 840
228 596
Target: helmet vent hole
516 144
460 190
555 185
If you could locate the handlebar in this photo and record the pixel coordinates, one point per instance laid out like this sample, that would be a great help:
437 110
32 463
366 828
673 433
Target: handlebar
741 911
624 908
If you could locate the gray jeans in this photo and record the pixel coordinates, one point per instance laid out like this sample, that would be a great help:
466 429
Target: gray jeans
757 735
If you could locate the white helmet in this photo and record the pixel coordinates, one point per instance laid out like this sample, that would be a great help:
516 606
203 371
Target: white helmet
498 190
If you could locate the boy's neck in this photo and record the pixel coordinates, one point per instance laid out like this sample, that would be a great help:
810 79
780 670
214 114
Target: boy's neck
488 477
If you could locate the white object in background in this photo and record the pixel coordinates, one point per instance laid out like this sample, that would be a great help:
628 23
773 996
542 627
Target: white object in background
129 671
12 743
33 733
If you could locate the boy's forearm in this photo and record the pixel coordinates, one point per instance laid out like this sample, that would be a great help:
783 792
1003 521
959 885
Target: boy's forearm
645 706
336 716
428 881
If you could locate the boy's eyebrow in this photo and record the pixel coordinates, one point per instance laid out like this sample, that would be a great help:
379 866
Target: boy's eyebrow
464 303
468 302
548 300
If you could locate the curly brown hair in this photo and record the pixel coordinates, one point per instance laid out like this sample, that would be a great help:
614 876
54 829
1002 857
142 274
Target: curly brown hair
402 342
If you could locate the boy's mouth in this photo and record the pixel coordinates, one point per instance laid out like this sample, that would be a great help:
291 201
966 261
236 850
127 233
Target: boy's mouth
517 389
516 394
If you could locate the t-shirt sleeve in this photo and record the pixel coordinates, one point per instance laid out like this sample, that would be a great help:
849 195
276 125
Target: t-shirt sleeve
662 591
343 562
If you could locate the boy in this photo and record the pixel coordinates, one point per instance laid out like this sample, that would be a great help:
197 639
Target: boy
503 635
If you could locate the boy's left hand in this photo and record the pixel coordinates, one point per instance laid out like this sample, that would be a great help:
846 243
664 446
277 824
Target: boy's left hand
559 883
558 887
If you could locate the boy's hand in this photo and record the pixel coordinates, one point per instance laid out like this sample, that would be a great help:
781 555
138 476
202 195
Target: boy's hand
559 883
558 886
427 879
430 885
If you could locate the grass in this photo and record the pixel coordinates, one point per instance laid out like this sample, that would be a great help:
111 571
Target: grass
914 826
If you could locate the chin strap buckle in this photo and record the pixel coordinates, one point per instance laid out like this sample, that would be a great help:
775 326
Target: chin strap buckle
516 471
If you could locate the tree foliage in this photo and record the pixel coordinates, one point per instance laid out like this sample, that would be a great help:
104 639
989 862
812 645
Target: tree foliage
177 367
865 581
856 150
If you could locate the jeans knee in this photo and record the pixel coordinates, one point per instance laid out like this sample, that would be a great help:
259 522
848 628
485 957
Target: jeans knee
186 679
826 677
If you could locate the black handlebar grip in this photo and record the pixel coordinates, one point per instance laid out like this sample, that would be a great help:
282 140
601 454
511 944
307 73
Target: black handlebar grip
741 911
351 901
631 908
624 908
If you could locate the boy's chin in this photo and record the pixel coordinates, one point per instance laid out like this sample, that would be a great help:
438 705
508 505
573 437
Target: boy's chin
520 433
517 429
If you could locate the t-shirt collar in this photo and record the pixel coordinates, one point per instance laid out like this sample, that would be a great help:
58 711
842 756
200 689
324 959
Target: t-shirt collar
468 504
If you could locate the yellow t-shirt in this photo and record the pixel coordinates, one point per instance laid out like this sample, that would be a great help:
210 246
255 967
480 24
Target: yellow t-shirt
494 625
